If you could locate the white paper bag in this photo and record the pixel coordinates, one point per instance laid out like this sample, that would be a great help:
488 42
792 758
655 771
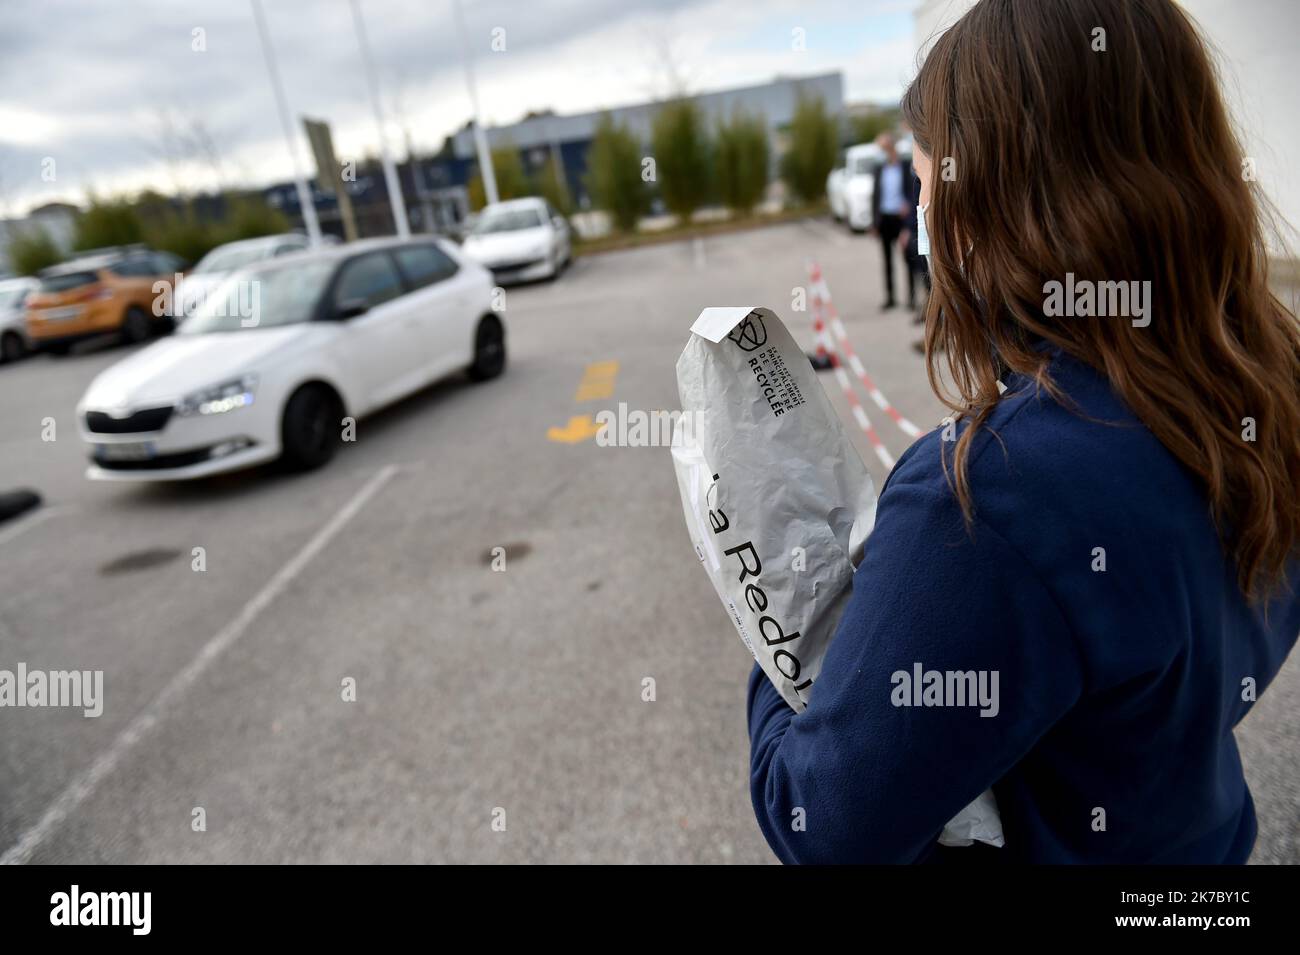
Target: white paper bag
778 503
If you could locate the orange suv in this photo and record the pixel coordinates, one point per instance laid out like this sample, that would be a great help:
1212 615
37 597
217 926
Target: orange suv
101 292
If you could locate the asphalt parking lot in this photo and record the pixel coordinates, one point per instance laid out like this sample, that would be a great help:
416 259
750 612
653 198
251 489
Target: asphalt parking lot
480 695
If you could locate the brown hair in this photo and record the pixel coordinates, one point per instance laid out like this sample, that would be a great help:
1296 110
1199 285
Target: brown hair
1114 165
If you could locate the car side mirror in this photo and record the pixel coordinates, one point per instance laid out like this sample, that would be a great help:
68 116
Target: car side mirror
351 308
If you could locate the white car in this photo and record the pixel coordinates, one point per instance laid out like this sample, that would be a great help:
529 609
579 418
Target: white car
211 270
835 192
849 188
276 357
14 343
520 240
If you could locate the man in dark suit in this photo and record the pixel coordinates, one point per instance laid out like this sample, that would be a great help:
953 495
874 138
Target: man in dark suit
893 202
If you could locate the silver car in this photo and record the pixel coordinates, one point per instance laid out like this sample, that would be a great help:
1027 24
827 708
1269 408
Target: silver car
211 270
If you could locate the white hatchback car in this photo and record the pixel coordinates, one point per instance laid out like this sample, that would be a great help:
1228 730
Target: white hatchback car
520 240
275 358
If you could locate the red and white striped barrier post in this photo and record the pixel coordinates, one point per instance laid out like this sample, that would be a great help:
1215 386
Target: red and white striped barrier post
821 295
827 347
822 360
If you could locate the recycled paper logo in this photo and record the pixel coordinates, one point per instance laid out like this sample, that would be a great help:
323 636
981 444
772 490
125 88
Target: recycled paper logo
749 334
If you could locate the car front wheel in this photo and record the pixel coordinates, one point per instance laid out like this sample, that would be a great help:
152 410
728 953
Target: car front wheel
309 431
12 347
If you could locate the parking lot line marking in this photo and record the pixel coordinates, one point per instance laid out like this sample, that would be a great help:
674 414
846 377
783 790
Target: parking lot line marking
821 230
597 381
144 721
28 521
590 391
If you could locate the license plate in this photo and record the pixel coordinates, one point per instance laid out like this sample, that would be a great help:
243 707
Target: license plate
61 314
132 451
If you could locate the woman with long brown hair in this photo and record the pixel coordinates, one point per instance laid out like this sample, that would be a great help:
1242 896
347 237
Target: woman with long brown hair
1106 529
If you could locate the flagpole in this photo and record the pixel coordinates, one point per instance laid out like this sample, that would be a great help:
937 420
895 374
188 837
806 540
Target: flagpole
395 198
304 191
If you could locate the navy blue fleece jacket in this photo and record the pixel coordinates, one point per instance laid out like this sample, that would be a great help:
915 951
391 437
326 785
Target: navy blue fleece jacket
1118 688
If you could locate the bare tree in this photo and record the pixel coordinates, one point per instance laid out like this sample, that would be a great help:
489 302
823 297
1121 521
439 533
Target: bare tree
184 146
205 146
401 91
672 78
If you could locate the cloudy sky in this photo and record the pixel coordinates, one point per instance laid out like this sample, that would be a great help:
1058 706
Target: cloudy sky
113 90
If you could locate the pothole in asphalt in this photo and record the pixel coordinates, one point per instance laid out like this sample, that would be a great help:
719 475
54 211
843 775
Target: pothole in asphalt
139 560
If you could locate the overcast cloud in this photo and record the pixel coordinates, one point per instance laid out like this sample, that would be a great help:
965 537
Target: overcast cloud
94 85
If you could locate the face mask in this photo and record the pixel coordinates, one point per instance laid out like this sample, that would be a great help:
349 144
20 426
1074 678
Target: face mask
922 233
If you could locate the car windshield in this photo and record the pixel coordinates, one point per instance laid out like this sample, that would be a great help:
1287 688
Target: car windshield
507 220
261 299
12 297
64 281
229 259
864 166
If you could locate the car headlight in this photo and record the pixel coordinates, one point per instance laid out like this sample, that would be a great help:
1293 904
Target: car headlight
219 399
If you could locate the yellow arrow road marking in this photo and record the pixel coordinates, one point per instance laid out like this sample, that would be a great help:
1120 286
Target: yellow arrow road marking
579 428
597 382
